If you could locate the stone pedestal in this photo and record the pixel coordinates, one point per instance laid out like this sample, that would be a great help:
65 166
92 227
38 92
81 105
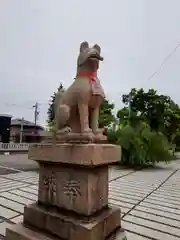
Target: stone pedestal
72 196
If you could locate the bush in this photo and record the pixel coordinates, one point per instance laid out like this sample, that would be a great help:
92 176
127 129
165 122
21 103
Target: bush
52 128
140 145
176 141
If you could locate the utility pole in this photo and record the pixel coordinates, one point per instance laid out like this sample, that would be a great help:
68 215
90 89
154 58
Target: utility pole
21 130
36 113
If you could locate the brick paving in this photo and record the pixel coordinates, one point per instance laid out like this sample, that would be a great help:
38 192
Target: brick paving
149 199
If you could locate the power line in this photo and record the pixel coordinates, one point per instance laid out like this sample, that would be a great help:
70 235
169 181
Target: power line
159 68
165 60
24 105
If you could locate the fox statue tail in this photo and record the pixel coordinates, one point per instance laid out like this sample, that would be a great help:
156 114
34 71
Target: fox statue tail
62 111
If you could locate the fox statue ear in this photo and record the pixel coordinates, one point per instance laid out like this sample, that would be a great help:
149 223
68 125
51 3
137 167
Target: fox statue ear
83 46
97 47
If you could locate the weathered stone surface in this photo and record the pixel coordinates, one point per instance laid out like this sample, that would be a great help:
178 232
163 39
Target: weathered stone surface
79 154
72 194
71 228
20 232
77 109
80 138
83 191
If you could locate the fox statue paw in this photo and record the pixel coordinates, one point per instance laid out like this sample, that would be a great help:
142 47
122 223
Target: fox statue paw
64 130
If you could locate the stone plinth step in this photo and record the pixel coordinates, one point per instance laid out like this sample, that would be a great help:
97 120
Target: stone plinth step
70 227
20 232
76 154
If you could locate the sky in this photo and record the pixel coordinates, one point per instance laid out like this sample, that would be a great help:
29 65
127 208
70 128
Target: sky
39 45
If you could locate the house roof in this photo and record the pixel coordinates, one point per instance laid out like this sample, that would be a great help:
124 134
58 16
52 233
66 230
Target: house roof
6 115
18 121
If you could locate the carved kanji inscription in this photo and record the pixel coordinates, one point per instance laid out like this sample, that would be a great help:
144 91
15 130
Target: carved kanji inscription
50 185
72 190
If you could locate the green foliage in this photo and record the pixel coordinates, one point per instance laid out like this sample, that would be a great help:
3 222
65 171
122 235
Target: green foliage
140 145
106 116
52 127
125 116
50 112
172 123
159 111
148 128
176 141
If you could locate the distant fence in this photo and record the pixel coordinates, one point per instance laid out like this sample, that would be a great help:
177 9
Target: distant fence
14 147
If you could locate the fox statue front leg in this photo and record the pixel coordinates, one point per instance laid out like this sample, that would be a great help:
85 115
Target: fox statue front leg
84 117
95 120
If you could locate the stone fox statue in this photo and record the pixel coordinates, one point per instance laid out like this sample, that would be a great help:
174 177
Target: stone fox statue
77 109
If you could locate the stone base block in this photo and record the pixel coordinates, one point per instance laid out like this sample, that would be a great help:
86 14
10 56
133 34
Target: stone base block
20 232
89 155
120 234
82 190
69 227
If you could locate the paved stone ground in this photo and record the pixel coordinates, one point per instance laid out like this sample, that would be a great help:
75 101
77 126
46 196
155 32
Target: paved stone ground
149 199
16 162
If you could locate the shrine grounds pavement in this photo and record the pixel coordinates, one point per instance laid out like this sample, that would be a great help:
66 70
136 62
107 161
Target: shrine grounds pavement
149 199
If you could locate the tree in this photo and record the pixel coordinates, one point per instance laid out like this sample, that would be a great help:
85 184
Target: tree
140 145
159 111
106 116
125 116
145 128
172 122
50 112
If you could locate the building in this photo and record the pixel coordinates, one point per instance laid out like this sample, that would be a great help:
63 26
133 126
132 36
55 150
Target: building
25 131
5 124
